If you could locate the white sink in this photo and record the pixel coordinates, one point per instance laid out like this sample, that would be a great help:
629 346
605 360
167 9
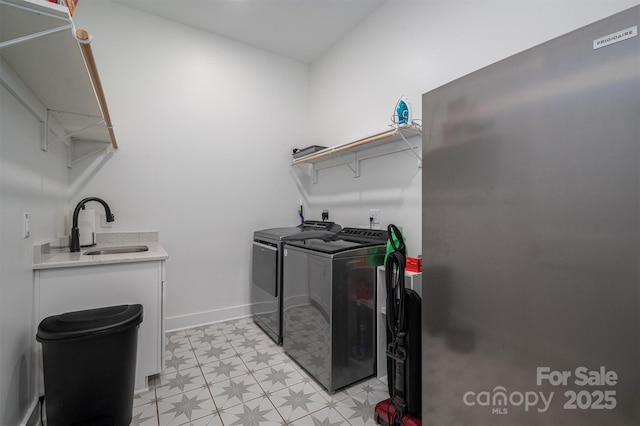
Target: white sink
116 250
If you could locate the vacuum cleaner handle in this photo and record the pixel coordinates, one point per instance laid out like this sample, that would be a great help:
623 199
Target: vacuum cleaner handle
395 232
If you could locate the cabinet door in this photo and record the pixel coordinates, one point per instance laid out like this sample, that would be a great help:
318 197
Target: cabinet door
72 289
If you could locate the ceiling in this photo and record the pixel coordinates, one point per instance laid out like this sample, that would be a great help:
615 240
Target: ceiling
298 29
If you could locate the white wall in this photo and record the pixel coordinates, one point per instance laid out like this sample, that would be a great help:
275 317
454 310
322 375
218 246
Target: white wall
205 127
408 48
35 182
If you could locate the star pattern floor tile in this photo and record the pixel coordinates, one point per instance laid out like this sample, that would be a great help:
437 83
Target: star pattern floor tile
224 369
257 412
278 377
233 374
180 381
234 391
297 401
214 352
185 407
180 361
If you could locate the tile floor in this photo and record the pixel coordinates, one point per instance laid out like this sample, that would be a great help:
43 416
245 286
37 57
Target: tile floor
233 374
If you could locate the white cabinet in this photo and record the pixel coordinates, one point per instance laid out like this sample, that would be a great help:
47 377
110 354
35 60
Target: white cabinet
61 290
412 280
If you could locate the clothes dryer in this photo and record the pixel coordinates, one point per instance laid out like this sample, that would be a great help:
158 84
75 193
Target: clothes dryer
266 279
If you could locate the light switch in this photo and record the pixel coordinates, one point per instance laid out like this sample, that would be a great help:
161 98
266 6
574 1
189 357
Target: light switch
26 231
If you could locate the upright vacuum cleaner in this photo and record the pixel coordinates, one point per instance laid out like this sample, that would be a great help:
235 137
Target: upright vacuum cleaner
404 345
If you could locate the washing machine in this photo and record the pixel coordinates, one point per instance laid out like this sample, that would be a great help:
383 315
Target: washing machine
329 316
266 279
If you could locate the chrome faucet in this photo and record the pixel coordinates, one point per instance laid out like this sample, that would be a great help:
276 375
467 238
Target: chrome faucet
74 243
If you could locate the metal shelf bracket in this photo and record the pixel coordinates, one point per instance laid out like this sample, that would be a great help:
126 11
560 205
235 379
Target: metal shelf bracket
45 142
356 165
411 148
73 147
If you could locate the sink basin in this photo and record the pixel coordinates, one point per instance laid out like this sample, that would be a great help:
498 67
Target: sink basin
116 250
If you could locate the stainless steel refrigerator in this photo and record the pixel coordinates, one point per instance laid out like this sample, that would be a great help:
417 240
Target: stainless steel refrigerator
531 236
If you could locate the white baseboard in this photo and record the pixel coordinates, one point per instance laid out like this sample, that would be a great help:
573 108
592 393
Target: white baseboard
181 322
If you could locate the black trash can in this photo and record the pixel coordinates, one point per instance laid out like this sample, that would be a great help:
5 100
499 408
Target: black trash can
89 360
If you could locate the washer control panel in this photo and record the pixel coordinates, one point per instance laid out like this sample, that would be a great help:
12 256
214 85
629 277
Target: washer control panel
361 234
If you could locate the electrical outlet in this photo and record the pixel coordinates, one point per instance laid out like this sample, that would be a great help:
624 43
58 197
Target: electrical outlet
375 214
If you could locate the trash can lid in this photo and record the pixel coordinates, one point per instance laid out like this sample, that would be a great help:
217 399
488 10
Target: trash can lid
72 325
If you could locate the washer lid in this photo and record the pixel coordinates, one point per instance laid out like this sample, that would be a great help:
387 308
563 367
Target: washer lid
333 246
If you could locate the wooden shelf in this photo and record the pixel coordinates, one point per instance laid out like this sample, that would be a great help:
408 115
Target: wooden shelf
348 153
37 42
368 142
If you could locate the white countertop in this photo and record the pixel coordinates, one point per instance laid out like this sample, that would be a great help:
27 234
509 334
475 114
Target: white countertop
46 257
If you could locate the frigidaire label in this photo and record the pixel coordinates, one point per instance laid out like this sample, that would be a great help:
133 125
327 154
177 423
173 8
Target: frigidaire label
589 390
615 37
